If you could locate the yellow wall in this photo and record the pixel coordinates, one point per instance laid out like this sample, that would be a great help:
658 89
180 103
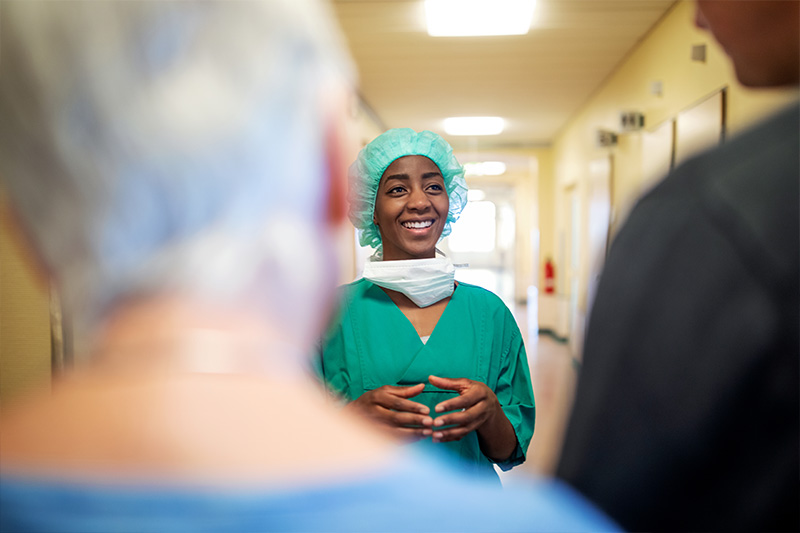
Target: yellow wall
537 241
547 211
664 55
24 318
522 178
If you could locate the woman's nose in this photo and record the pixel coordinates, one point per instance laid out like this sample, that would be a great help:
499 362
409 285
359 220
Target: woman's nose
418 199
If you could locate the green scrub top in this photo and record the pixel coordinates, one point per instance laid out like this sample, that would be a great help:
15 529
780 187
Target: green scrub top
372 343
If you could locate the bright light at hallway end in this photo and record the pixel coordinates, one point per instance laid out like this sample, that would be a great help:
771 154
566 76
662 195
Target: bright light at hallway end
485 168
463 18
474 125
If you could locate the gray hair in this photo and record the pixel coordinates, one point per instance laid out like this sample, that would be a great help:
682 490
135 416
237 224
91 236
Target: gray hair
169 146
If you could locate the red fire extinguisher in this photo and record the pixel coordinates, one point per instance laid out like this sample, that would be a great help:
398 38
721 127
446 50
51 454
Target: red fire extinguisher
549 277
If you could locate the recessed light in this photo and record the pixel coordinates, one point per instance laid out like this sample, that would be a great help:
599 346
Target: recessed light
462 18
473 125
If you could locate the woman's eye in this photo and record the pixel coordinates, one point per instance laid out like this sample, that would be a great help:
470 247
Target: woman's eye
396 190
435 187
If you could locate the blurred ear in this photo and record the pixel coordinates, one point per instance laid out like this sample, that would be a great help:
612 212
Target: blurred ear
337 201
341 150
699 18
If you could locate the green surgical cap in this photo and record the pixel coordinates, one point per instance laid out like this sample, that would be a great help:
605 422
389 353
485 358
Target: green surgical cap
373 160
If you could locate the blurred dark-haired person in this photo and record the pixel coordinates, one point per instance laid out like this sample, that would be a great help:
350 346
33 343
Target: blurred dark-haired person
178 168
687 410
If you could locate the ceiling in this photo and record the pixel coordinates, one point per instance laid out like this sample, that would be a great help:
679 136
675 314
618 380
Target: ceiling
535 81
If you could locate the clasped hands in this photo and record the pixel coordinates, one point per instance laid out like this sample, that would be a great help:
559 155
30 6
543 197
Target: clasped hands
391 406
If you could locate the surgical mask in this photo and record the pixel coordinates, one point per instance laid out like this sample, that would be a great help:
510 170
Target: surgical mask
424 281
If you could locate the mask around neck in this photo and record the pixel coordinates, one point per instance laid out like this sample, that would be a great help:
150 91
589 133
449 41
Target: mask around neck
424 281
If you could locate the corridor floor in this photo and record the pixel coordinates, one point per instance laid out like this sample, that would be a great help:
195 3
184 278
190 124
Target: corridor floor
553 373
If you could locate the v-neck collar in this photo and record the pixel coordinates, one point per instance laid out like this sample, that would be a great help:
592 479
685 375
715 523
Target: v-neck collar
404 319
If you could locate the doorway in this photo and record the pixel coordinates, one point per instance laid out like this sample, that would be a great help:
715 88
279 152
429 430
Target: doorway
483 239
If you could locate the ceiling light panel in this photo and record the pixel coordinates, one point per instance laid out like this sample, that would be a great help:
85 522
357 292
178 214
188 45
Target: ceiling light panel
463 18
473 125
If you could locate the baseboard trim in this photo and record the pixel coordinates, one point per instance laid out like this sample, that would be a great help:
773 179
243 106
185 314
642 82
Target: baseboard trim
553 335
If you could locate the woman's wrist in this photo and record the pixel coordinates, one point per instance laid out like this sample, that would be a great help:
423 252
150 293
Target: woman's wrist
496 415
496 435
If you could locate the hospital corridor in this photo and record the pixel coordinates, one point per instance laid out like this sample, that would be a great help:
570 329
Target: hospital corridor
546 241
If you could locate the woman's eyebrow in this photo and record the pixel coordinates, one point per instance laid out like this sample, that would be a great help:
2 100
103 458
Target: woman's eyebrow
427 175
432 175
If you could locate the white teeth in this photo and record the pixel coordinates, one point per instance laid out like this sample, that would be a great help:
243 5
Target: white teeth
418 225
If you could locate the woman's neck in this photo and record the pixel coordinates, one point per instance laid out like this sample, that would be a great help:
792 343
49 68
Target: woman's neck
397 255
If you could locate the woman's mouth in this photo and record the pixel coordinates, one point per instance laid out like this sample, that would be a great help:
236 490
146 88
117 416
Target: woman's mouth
417 224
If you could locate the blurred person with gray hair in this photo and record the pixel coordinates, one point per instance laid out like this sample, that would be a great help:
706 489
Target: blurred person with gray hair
177 167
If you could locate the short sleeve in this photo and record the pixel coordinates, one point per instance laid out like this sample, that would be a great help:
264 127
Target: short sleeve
330 364
515 393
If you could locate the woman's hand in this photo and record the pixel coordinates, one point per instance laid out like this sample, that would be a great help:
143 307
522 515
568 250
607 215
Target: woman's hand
390 407
476 409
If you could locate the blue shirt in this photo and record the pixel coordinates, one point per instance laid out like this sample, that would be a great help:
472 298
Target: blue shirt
414 494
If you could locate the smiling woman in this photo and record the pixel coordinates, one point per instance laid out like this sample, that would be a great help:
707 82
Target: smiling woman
406 323
411 208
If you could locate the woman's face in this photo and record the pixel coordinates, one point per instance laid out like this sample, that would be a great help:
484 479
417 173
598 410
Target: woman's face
411 208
